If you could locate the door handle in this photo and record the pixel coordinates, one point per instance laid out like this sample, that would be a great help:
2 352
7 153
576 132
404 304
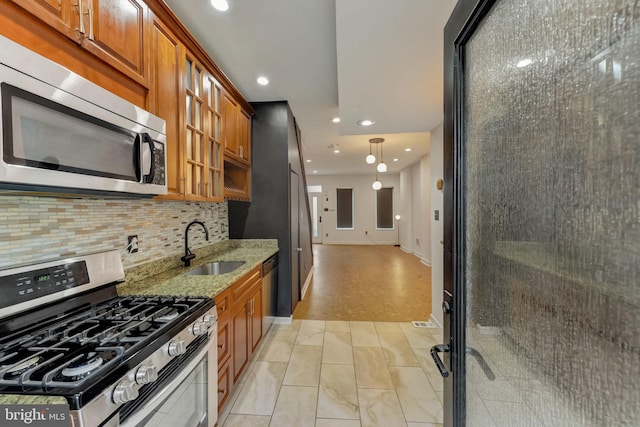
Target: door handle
440 348
483 363
299 249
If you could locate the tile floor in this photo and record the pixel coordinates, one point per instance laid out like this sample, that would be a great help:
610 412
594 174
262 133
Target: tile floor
340 374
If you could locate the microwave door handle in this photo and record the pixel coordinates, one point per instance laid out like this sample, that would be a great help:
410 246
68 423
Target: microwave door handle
148 178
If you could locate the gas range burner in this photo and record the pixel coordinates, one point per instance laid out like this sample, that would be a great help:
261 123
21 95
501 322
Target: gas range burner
167 317
82 367
23 366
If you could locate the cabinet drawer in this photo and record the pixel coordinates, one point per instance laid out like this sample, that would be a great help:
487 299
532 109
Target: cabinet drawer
222 305
242 287
224 342
224 384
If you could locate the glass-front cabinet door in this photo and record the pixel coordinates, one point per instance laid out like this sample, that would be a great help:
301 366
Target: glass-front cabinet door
195 136
542 218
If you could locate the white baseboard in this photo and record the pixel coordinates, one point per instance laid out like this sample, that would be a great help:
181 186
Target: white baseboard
406 250
282 320
306 284
425 262
433 320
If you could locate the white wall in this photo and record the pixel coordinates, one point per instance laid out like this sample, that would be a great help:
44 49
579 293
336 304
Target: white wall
437 203
415 228
364 208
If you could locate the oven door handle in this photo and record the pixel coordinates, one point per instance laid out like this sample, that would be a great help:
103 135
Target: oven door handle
143 412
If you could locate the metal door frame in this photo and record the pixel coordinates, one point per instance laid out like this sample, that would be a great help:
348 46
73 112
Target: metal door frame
464 20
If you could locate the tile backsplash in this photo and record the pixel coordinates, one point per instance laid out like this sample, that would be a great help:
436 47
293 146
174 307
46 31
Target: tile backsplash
34 229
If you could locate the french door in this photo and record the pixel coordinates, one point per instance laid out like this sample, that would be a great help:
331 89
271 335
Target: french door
542 213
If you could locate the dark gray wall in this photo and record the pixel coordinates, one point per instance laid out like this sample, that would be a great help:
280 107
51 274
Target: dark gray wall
274 151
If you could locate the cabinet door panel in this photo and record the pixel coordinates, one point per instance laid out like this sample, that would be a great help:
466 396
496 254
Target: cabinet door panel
116 31
59 14
224 384
230 124
244 136
256 317
240 352
164 97
224 341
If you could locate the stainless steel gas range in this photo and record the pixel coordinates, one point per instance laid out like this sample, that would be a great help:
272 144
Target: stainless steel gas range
127 361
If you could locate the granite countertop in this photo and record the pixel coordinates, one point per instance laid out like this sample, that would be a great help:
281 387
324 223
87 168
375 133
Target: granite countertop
166 276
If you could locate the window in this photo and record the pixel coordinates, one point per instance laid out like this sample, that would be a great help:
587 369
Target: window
384 208
344 208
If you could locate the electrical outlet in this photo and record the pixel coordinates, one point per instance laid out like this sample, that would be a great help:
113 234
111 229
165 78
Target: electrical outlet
132 245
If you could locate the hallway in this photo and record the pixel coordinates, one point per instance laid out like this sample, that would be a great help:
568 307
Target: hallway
366 283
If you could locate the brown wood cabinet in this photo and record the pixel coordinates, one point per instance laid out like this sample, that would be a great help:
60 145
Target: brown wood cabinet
246 306
62 15
225 383
115 31
240 312
165 97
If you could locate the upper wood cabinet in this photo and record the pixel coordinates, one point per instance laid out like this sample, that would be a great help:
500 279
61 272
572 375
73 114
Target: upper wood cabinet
201 133
63 15
236 130
117 32
165 98
230 125
244 136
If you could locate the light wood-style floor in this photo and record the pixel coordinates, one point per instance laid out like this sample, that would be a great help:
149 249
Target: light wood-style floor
374 283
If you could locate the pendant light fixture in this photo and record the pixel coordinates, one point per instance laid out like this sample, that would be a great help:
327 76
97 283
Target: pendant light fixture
371 159
382 167
377 185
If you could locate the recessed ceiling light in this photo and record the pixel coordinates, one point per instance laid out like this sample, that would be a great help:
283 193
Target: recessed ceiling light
315 171
336 151
336 120
524 62
365 122
262 81
221 5
395 160
308 160
407 149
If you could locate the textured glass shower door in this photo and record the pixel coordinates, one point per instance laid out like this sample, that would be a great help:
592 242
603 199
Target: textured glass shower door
547 137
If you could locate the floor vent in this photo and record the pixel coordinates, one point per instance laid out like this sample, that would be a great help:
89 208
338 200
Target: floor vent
423 324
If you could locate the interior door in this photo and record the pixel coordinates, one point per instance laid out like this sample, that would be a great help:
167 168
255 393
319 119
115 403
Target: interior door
542 231
294 180
315 201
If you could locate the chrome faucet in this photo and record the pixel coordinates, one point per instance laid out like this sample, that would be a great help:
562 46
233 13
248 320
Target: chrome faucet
188 255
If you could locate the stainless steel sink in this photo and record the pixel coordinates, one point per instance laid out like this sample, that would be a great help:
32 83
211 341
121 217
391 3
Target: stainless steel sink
215 268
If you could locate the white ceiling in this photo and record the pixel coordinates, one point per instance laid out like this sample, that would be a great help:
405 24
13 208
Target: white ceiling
356 59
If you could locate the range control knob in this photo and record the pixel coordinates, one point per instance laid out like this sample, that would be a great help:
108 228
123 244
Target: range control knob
210 319
146 374
176 348
124 392
199 328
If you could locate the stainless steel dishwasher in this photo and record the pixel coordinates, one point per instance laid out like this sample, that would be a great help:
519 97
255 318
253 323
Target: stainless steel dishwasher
269 291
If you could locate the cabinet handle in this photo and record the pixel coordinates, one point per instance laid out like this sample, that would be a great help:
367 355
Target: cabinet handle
220 345
220 390
80 16
90 15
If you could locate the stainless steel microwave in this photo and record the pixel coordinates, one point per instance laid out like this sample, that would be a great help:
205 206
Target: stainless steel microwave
61 133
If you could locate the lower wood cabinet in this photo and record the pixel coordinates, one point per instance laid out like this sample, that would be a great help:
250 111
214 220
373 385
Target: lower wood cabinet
239 330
